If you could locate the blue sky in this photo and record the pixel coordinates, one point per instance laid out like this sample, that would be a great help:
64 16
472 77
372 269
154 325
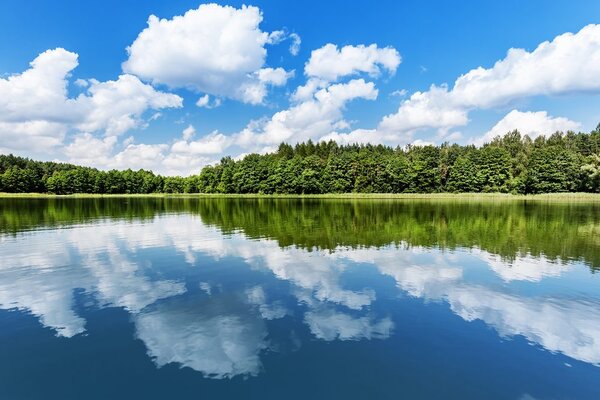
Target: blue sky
89 100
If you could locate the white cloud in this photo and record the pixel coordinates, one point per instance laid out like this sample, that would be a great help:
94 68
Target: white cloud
530 123
277 37
188 133
295 46
85 149
213 143
312 118
361 136
399 93
155 116
88 150
213 49
204 102
274 76
177 164
183 157
32 136
82 83
117 106
220 52
568 64
136 156
306 92
453 136
40 92
431 109
331 63
36 112
255 91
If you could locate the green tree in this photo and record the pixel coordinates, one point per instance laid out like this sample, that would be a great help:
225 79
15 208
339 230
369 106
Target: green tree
553 169
591 170
424 174
463 176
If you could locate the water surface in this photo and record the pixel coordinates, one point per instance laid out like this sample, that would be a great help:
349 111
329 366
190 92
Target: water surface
306 298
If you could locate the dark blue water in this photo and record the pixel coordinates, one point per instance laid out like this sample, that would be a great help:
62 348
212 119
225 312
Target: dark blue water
172 307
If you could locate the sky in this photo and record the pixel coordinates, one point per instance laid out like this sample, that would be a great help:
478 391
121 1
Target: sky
174 86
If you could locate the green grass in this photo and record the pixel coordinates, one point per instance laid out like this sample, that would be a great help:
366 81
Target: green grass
558 197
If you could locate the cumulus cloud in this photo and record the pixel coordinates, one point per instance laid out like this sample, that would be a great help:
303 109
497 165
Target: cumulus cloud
254 92
431 109
36 112
86 149
274 76
565 65
218 50
40 92
182 157
312 118
531 123
33 136
36 115
331 63
318 105
116 106
568 64
136 156
213 143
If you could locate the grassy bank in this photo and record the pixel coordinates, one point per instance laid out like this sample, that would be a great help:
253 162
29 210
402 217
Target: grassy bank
559 197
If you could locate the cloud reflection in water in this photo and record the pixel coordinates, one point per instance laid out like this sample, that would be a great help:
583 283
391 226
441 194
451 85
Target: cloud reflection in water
221 331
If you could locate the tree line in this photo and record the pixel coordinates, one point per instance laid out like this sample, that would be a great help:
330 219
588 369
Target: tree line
512 163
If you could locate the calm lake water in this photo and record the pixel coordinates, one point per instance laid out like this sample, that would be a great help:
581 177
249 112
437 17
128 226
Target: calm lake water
146 298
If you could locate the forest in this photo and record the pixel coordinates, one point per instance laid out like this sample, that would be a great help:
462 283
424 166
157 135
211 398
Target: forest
512 163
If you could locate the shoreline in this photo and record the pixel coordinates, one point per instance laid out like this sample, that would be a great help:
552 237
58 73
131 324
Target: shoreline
561 197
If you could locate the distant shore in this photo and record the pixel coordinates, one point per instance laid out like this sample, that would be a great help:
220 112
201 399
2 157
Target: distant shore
559 197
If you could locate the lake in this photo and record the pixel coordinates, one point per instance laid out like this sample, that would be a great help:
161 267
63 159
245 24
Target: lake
110 298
